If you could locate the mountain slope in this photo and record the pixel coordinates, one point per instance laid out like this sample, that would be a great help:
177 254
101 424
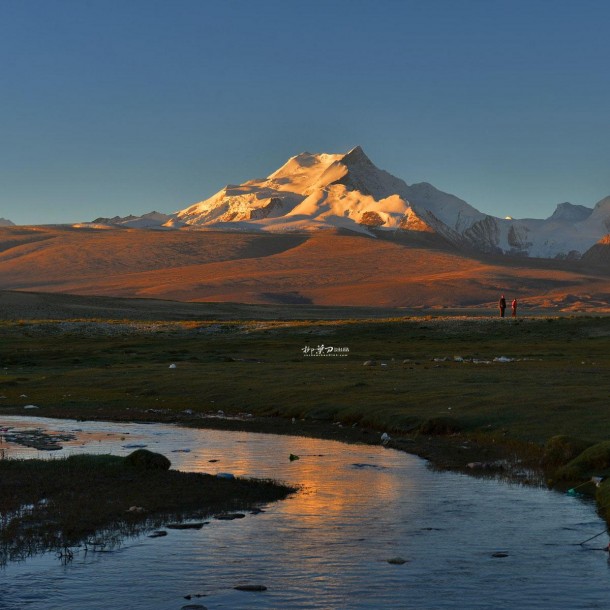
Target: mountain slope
598 254
320 267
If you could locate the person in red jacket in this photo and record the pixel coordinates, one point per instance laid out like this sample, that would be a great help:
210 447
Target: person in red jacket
514 306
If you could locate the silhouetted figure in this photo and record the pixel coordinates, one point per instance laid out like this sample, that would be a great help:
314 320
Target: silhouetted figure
502 305
514 306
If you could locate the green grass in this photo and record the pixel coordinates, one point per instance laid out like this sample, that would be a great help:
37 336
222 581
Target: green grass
559 386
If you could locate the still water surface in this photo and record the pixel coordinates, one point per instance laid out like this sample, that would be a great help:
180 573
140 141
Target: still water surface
328 546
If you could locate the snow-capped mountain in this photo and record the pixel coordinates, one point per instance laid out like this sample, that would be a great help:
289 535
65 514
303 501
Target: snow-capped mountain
340 190
569 232
6 223
347 190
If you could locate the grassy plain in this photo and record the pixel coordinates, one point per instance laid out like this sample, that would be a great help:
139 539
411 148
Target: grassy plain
556 382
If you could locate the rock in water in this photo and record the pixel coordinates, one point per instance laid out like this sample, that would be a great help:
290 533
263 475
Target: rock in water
229 516
187 526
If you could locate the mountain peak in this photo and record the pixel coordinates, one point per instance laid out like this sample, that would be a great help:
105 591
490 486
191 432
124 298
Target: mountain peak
356 156
569 211
603 204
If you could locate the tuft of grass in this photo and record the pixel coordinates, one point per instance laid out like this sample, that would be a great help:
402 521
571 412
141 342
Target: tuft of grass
561 449
594 461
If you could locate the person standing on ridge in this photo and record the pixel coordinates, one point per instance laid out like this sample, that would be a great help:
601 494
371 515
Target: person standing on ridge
502 304
514 307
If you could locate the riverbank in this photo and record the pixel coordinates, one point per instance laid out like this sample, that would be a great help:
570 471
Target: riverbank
447 452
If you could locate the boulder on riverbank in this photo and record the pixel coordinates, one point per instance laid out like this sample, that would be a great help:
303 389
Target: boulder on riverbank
148 460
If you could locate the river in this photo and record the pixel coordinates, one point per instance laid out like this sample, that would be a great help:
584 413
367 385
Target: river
328 545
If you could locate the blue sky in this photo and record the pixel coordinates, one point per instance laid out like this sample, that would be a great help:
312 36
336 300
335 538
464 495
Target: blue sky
116 107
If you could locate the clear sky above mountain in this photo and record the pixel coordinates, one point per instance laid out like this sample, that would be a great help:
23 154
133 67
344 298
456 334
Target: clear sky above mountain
123 107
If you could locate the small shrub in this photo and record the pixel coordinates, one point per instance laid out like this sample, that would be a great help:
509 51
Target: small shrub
561 449
440 426
592 461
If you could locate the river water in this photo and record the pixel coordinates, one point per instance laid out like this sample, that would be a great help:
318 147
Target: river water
328 545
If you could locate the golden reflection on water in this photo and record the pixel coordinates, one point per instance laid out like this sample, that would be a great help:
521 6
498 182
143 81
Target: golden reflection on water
318 476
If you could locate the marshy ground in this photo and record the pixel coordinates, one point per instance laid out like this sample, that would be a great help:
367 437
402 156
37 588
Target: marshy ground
95 500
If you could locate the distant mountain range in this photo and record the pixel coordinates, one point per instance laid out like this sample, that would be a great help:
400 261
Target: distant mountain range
6 223
317 191
146 221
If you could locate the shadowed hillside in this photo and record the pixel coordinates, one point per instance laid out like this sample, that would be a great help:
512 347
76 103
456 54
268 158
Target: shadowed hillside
319 268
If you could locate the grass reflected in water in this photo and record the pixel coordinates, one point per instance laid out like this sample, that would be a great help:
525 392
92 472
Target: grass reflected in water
52 505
